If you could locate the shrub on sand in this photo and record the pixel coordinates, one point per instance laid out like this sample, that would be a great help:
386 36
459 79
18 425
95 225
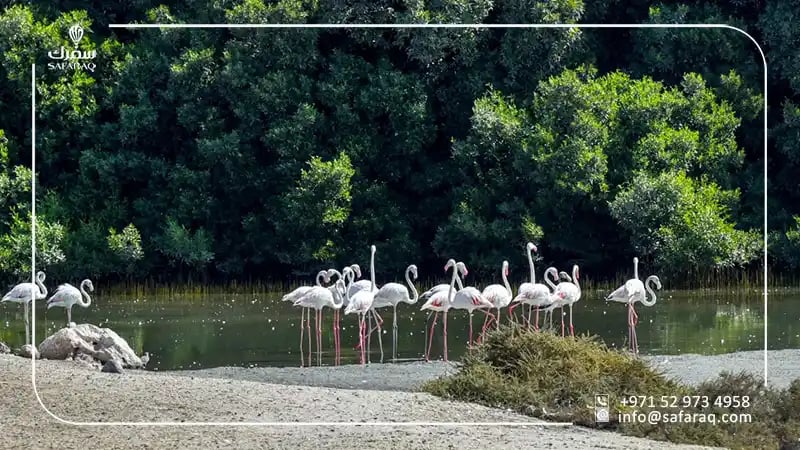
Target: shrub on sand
547 376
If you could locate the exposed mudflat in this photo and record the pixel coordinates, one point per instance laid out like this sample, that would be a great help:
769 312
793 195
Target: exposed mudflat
73 392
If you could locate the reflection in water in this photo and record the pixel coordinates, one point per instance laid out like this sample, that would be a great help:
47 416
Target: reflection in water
184 332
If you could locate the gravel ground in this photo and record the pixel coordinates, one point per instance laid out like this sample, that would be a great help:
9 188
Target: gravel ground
75 393
783 366
407 376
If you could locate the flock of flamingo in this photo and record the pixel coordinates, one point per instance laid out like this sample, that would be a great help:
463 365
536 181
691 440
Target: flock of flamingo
364 298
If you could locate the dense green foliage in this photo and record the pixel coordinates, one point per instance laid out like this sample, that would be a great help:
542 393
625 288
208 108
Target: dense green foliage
255 154
547 376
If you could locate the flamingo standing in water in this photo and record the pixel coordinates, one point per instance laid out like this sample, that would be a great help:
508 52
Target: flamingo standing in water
25 293
360 303
499 295
373 287
67 295
348 275
569 293
317 298
392 294
322 277
631 292
470 299
533 294
439 300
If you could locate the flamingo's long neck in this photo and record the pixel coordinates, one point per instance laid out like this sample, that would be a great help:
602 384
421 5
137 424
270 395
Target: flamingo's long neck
530 264
372 271
414 293
40 277
575 274
451 291
636 268
554 272
85 295
338 305
320 275
649 288
505 280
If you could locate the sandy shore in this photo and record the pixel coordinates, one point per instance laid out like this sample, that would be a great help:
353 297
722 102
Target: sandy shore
784 366
78 394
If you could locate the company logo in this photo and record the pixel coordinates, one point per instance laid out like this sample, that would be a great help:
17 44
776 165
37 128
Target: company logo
72 59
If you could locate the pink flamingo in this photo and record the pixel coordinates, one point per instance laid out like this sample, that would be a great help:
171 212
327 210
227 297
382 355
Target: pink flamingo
439 300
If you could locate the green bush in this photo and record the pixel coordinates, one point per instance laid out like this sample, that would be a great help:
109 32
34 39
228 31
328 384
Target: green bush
547 376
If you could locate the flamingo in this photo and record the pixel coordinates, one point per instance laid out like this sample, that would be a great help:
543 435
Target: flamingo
317 298
470 299
391 294
534 294
322 277
22 293
569 293
360 303
66 295
498 295
371 285
439 300
347 275
631 292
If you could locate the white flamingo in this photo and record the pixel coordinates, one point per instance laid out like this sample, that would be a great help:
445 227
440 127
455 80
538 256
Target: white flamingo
392 294
66 296
470 299
322 277
535 295
631 292
347 275
499 295
440 300
373 286
569 293
360 303
538 297
317 298
22 293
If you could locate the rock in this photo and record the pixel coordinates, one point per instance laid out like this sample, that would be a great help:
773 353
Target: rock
112 366
87 360
99 343
4 348
27 350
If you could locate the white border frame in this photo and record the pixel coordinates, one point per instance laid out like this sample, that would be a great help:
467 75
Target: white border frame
379 26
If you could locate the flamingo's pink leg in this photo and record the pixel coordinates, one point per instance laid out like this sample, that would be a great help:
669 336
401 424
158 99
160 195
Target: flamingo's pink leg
469 341
308 330
444 323
302 329
571 328
430 337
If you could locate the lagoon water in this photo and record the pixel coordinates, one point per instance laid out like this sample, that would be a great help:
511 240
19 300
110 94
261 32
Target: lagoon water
200 331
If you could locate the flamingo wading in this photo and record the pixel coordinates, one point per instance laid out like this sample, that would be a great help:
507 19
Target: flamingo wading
631 292
23 293
392 294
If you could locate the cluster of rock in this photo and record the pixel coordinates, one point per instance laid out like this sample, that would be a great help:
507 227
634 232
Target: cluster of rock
88 344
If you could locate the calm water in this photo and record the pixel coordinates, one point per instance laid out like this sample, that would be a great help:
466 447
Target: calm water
184 332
